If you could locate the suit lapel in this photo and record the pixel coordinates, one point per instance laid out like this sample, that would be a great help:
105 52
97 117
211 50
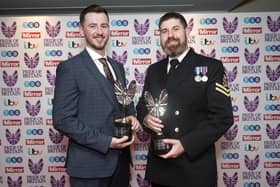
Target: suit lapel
104 84
117 71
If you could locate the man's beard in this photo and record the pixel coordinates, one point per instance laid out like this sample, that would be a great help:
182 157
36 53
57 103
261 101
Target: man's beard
174 50
97 47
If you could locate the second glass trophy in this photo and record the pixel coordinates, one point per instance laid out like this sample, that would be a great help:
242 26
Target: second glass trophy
157 108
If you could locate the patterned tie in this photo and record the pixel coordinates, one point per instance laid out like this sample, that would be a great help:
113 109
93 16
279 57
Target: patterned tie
173 63
106 69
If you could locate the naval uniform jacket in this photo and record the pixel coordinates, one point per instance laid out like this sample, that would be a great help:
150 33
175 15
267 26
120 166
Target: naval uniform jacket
198 114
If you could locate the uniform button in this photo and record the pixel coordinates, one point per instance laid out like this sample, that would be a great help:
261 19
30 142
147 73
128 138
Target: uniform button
176 129
177 112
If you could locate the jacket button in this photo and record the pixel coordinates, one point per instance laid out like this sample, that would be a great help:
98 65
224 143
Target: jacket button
177 112
177 129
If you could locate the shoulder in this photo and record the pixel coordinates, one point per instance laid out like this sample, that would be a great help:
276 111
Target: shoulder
212 64
73 61
112 61
158 65
209 60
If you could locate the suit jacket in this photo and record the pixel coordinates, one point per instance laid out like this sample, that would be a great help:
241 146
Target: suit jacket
84 110
198 114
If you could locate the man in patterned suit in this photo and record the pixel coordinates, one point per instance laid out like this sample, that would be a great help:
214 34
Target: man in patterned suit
85 107
199 110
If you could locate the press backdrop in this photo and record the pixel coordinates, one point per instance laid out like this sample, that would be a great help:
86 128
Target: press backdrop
32 152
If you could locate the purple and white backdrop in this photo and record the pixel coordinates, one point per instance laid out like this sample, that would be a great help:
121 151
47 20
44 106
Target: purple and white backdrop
32 152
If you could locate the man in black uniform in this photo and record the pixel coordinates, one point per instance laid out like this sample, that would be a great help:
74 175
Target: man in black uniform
199 110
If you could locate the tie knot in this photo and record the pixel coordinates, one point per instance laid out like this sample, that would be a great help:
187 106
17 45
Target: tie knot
102 60
174 62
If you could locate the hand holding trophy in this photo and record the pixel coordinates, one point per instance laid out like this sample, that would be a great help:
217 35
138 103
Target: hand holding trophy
157 108
125 97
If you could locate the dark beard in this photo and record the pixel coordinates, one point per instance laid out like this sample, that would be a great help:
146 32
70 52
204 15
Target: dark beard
174 51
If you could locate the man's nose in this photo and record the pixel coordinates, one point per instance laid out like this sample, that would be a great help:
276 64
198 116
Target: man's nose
170 33
99 30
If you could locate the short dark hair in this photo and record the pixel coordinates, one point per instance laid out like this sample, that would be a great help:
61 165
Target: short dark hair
175 15
92 8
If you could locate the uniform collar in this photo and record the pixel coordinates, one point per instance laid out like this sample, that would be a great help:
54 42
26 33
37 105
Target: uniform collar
180 57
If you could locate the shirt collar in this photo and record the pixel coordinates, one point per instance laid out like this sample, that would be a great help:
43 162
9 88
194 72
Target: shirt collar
94 55
181 57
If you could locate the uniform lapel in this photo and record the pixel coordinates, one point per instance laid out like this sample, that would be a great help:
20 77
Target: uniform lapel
181 72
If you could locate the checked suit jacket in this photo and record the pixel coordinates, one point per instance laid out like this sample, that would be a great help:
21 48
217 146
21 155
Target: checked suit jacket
84 110
198 113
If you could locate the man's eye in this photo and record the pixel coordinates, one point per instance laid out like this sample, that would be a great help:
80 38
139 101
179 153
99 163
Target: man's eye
163 31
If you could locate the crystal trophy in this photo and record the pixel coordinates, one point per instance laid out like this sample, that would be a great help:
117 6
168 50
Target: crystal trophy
125 97
157 108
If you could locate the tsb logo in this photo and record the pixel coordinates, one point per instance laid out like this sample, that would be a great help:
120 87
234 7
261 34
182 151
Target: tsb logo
272 155
73 24
251 184
49 112
30 25
230 49
252 128
53 53
32 84
11 112
252 20
14 160
230 156
234 108
141 51
272 107
119 23
142 157
251 79
53 159
9 53
208 21
272 48
34 132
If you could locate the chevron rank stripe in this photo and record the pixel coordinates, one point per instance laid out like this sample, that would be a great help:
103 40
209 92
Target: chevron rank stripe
220 88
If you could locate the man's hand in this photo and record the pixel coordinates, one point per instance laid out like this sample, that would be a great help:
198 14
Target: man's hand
135 125
153 123
120 143
176 150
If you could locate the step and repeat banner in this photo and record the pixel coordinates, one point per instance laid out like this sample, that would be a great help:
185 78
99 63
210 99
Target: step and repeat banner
32 152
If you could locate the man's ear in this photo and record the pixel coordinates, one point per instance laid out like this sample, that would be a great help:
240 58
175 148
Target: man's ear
81 30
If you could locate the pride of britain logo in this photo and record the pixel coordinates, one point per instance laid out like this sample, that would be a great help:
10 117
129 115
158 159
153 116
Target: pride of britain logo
8 31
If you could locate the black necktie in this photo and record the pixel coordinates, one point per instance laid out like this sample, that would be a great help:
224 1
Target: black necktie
173 63
106 69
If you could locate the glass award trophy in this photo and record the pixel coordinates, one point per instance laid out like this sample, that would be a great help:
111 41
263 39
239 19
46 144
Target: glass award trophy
157 108
124 97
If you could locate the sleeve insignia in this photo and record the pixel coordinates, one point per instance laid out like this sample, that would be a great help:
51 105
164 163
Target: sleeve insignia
223 87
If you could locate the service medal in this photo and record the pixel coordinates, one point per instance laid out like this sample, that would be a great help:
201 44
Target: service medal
197 76
204 71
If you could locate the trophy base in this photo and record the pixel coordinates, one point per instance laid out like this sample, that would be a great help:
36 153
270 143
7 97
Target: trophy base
122 129
159 147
